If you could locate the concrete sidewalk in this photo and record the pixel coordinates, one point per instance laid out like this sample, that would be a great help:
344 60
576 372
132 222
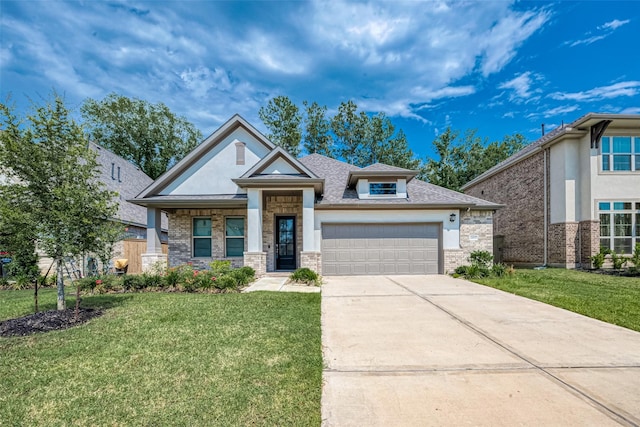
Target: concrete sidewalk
278 284
433 350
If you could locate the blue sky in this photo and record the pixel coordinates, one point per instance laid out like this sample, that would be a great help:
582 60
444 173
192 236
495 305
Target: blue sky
498 66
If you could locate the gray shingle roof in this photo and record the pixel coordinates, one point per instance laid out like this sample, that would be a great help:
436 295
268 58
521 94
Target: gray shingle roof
384 168
337 192
128 182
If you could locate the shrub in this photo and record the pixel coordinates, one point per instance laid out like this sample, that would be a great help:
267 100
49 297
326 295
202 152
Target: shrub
481 258
617 260
499 270
242 277
172 277
226 282
133 282
598 259
152 280
305 275
635 258
219 268
249 272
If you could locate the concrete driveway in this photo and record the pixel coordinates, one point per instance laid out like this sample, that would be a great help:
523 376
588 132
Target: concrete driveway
433 350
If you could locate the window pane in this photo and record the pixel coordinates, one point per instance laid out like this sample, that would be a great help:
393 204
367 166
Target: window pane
622 224
201 247
622 163
621 144
202 226
622 246
605 163
605 243
606 148
638 228
235 247
638 162
604 206
637 144
620 206
382 188
235 227
605 225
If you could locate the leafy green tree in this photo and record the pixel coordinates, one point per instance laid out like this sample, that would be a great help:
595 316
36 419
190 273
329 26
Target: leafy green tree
383 145
317 138
53 182
461 161
148 135
350 130
282 117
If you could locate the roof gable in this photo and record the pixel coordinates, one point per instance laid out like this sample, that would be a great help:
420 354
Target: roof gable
210 167
279 162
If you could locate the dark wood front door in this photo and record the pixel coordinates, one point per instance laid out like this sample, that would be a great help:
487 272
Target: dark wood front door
285 243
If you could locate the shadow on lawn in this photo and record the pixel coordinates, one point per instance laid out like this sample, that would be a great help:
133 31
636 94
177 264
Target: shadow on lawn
102 302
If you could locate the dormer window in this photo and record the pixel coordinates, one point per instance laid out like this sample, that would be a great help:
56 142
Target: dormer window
382 189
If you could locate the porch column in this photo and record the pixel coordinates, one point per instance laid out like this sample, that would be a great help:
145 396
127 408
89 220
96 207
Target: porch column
254 220
154 259
309 257
308 199
255 257
154 228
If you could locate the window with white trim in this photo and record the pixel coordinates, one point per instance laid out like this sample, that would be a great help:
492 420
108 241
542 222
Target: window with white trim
619 225
382 189
620 153
234 237
201 237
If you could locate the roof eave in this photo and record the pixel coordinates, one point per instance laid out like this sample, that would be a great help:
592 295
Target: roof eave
359 174
189 203
429 206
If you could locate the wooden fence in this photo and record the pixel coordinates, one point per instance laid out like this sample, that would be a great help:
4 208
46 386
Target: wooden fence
133 250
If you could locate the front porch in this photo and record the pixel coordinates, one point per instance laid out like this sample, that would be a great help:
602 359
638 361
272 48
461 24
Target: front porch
272 230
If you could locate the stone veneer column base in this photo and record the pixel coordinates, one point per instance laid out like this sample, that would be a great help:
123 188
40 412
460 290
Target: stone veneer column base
452 259
151 261
257 261
311 260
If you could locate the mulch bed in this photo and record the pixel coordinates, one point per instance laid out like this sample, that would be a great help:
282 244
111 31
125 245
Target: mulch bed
45 321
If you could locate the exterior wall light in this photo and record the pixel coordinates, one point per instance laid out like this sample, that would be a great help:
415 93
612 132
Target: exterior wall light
452 217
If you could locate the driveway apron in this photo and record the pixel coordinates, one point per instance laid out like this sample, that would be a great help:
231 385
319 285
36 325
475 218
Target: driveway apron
433 350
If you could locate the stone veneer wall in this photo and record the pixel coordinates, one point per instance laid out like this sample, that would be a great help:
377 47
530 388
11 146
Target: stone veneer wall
280 206
563 244
589 241
312 260
180 223
521 189
476 234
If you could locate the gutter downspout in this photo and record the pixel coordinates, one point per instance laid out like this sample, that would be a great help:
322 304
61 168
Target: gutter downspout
546 231
546 219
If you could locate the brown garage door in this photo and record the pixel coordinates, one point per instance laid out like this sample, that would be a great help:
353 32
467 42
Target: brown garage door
353 249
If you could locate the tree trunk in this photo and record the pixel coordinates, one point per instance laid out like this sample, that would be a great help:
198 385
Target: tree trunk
60 283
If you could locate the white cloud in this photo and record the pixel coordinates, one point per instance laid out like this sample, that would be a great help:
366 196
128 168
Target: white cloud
520 87
630 88
630 110
588 40
615 24
557 111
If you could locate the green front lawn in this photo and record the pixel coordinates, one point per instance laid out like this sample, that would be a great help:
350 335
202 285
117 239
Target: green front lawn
612 299
167 359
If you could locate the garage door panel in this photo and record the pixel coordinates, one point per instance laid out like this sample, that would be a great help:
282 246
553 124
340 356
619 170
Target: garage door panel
351 249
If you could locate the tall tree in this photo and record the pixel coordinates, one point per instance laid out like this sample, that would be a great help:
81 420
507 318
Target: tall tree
396 152
316 130
282 118
350 130
53 180
148 135
461 161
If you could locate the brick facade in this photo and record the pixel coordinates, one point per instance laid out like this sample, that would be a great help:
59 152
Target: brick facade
180 246
589 241
563 244
521 223
476 234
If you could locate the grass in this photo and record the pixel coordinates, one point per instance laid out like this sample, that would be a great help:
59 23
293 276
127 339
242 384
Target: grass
612 299
167 359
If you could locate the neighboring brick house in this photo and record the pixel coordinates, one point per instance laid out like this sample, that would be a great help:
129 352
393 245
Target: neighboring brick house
568 193
238 197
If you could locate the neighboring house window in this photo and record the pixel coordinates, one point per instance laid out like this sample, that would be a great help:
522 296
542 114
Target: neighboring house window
619 225
201 237
621 153
382 189
234 237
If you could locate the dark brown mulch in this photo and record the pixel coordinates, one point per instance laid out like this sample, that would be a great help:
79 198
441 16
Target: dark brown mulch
45 321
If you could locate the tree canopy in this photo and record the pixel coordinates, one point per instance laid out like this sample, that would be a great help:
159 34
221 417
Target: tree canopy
461 161
52 190
282 118
148 135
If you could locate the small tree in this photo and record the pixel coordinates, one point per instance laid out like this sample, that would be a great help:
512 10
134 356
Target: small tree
54 172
